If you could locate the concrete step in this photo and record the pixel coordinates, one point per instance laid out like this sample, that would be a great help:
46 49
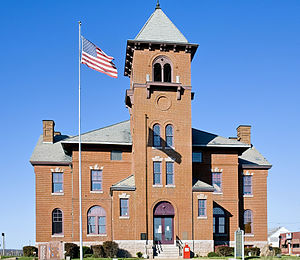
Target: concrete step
167 251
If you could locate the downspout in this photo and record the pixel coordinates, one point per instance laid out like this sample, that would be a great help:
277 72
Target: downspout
146 179
70 165
193 222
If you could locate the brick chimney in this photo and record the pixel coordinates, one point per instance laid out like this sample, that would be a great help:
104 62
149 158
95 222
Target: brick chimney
244 134
48 131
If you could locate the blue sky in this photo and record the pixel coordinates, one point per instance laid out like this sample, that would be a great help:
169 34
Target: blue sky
246 71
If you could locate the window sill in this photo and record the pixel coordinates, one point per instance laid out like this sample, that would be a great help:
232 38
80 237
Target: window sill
157 185
248 196
249 235
96 191
124 217
170 186
57 194
170 148
202 217
156 147
218 193
57 235
96 235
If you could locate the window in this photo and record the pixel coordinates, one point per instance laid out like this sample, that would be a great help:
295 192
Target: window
247 185
218 221
162 69
170 173
96 220
248 221
156 136
96 180
57 222
217 180
201 208
157 173
116 155
57 182
296 245
197 156
169 136
124 203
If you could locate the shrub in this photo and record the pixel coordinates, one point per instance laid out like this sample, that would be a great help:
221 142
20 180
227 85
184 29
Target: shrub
252 251
139 254
72 250
212 254
88 255
110 249
277 250
86 251
30 251
98 251
224 251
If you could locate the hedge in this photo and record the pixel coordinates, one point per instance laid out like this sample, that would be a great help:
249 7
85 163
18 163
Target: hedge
30 251
98 251
224 251
72 250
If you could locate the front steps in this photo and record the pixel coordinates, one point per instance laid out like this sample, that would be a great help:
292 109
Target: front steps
166 251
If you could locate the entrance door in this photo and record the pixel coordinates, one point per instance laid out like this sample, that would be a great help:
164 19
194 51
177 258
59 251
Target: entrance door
163 230
163 223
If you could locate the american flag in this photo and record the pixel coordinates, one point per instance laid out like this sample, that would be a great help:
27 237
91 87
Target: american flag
97 59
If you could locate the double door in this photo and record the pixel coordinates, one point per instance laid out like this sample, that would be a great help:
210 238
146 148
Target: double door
164 230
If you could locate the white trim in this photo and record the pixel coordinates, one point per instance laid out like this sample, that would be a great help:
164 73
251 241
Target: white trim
57 194
57 169
157 159
96 191
170 147
218 193
247 173
169 159
157 147
157 185
57 235
96 235
216 170
124 217
170 186
124 196
202 217
249 235
248 195
96 167
201 196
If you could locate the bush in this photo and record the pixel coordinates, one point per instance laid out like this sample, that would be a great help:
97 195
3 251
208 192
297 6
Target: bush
252 251
72 250
212 254
30 251
110 249
277 250
224 251
139 254
86 251
98 251
88 255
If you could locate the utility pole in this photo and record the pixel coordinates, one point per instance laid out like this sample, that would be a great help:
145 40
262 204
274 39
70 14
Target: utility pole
3 244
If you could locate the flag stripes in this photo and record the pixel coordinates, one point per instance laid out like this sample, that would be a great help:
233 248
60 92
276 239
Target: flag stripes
97 59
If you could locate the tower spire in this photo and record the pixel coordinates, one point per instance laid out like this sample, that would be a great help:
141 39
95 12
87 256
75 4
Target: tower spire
157 5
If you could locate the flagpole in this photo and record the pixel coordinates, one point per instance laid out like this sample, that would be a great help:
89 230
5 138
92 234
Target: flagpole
79 148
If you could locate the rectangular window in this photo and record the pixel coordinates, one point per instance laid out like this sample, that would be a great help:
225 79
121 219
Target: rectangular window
197 157
296 245
170 173
156 173
247 185
102 225
201 208
124 212
96 180
57 182
91 225
116 155
217 180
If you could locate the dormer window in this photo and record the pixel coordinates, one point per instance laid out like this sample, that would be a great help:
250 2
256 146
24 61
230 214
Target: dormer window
162 69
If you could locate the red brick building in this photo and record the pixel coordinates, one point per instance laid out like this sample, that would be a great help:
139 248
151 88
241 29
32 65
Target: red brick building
289 243
152 183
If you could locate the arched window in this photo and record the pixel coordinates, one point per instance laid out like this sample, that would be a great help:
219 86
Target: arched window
156 136
169 136
167 72
57 222
96 220
218 221
162 69
157 72
248 220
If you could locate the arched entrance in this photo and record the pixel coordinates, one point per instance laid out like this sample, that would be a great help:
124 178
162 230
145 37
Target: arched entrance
163 223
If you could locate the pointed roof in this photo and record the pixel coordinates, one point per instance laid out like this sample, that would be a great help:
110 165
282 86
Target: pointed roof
125 184
159 28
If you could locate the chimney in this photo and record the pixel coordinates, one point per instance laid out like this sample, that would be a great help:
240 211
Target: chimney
244 134
48 131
